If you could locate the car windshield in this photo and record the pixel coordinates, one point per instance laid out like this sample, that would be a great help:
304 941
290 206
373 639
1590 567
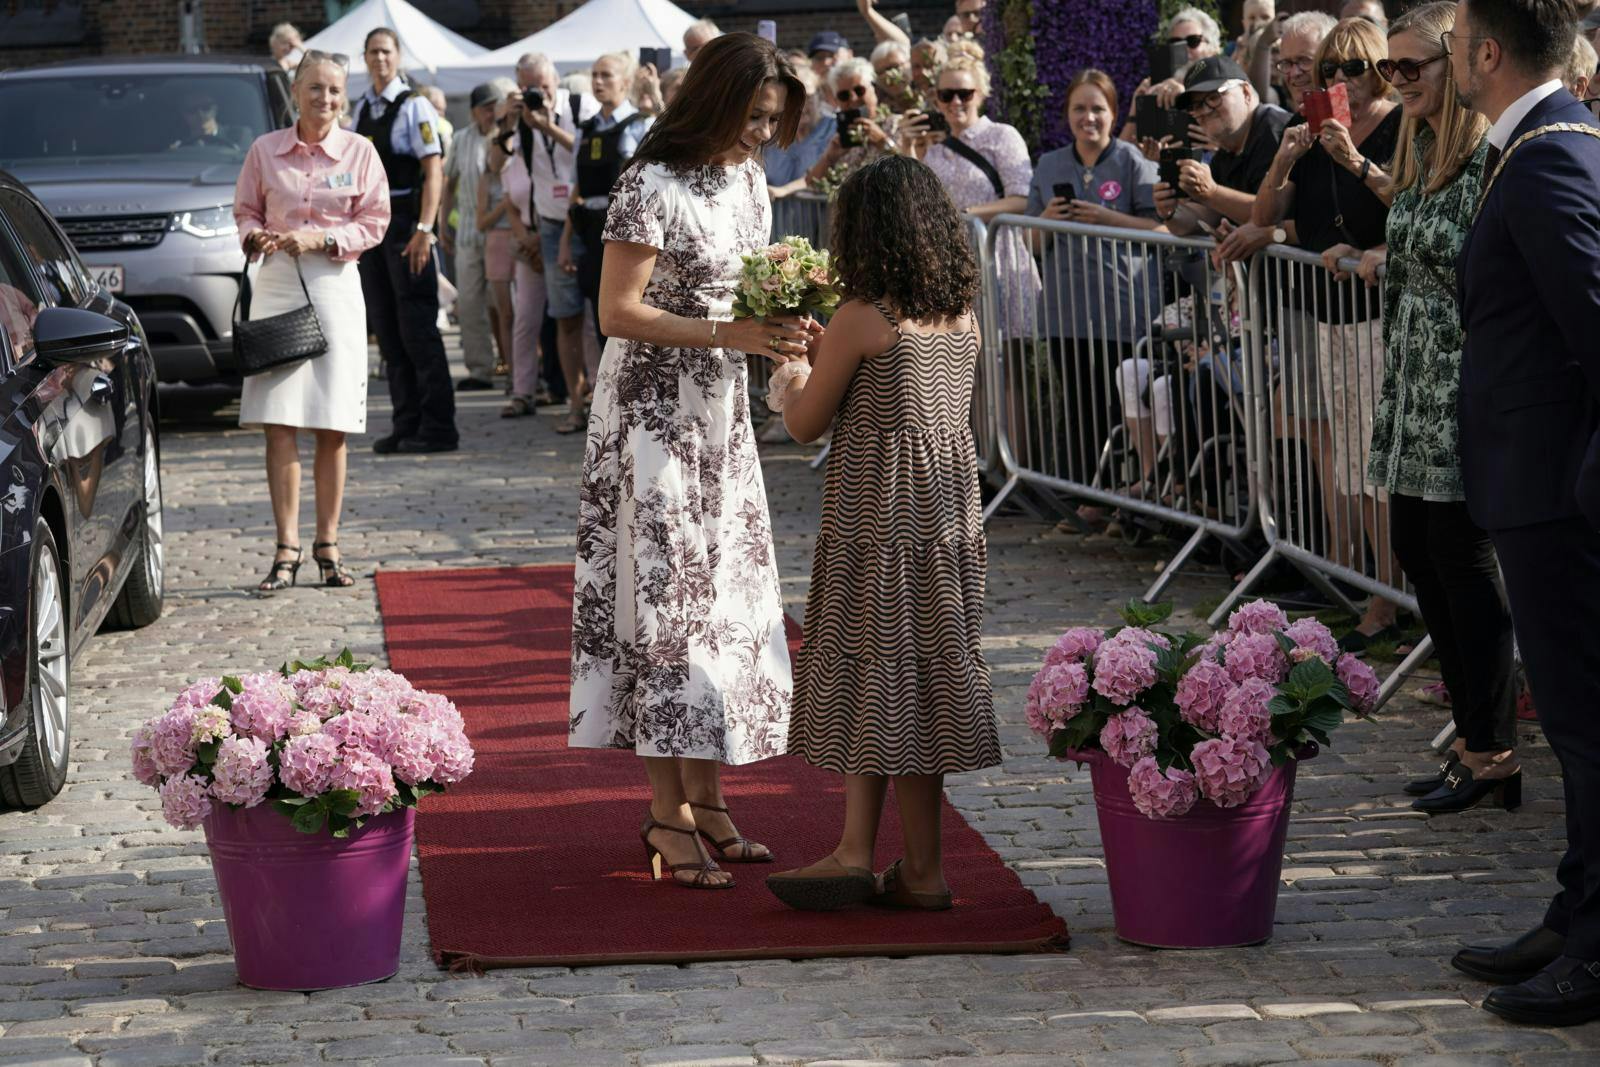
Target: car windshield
89 117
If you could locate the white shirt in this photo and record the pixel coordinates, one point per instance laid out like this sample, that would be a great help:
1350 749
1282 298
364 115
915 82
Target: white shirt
1500 133
555 168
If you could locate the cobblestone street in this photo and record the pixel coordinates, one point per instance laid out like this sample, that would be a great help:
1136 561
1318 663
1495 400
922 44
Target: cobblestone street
114 951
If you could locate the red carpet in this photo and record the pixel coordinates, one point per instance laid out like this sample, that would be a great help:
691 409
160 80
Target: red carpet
535 859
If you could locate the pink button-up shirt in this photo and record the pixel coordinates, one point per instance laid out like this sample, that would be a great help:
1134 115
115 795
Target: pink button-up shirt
336 185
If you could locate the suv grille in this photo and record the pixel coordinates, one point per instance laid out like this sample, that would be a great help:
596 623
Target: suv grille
111 232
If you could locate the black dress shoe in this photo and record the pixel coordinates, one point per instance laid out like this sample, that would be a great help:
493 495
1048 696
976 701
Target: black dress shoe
1461 791
1421 787
1566 993
1516 962
384 446
1356 642
416 446
469 385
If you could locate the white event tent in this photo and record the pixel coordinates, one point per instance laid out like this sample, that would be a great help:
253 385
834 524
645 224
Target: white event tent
425 46
572 43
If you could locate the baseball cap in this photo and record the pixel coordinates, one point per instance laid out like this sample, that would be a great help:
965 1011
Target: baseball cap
484 94
826 41
1207 76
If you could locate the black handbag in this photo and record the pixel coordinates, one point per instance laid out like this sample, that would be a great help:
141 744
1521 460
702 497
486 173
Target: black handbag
261 345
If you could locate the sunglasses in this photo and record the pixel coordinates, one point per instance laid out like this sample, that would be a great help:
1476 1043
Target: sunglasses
1193 40
1284 66
1403 70
858 93
1353 68
950 96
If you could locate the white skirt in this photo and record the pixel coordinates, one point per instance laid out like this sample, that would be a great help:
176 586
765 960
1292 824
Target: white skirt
326 392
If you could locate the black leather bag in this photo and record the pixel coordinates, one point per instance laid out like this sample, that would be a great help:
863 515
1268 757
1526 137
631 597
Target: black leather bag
261 345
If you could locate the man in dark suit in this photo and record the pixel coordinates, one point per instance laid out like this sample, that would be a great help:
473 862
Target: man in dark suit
1529 286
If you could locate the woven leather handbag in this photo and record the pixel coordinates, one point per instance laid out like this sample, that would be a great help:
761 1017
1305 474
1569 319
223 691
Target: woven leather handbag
261 345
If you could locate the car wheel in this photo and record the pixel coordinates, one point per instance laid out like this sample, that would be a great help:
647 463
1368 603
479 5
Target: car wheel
139 603
41 768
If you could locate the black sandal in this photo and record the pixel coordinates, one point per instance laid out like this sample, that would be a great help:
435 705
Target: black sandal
333 571
275 579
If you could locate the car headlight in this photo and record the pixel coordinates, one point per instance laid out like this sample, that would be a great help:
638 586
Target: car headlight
206 221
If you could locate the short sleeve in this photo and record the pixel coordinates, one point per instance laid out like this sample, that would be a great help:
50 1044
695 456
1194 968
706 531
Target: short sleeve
422 127
638 212
1036 197
1011 156
1143 175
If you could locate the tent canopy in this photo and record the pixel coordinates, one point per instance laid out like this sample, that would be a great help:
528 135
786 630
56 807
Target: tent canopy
572 43
424 44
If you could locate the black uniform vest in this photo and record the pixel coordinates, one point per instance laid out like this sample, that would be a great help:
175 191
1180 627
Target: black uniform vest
404 171
600 159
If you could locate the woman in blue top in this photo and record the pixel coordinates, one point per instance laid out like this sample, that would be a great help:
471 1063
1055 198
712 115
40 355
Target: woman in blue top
1099 297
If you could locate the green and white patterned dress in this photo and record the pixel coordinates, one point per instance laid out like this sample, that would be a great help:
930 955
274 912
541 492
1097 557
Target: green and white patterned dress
1414 438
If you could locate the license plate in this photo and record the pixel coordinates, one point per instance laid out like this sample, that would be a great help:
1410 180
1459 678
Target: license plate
108 278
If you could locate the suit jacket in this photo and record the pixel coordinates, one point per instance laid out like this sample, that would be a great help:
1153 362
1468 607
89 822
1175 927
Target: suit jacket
1528 284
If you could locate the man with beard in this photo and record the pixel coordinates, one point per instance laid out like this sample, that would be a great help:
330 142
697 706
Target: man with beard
1528 282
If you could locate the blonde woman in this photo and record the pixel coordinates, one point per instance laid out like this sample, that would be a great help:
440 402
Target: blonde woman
1438 172
287 45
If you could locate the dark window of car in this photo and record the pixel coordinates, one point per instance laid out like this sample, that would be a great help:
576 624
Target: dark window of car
282 101
17 308
89 116
57 276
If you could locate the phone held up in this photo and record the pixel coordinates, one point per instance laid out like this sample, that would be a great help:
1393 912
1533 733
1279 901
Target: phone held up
849 135
660 58
1167 165
937 123
1151 120
767 30
1064 191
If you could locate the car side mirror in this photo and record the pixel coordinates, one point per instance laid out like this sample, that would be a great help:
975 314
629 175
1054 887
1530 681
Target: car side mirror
71 335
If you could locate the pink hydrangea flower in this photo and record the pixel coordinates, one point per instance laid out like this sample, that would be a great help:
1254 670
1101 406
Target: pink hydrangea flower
1258 617
1229 770
1360 680
144 758
172 740
1074 646
1252 655
264 706
369 776
242 774
353 730
452 754
304 722
1212 649
1160 795
1245 715
184 801
434 708
210 723
1129 736
1310 635
1200 693
306 764
1058 692
407 742
199 694
1125 665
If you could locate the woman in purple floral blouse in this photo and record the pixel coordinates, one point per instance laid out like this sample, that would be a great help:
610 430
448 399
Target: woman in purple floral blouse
678 646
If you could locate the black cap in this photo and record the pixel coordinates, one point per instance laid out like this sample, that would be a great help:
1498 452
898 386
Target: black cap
827 41
1207 76
484 94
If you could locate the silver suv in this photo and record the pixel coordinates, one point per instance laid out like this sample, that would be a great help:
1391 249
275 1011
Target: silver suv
137 159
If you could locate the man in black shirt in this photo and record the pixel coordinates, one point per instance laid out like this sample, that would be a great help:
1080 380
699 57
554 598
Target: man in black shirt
1223 103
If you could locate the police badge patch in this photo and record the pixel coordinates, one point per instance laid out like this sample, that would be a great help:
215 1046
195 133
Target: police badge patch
426 130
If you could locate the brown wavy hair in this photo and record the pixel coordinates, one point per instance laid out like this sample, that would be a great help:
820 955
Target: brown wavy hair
898 238
713 104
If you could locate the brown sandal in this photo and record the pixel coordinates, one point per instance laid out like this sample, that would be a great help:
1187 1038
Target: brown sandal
746 853
654 858
823 889
894 894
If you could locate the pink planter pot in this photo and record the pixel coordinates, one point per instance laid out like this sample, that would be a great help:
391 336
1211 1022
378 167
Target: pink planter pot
310 911
1208 879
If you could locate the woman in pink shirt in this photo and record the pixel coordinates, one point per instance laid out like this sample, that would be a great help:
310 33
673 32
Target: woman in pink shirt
313 195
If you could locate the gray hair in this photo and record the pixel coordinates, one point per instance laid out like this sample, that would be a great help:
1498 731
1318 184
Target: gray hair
703 27
1314 24
855 67
287 33
536 63
1581 63
577 82
886 49
1208 25
503 86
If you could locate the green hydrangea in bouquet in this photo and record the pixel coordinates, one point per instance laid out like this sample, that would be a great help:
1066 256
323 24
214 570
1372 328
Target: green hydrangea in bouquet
787 278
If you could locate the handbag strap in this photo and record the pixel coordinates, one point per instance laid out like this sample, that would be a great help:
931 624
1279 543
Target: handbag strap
241 306
1505 157
979 160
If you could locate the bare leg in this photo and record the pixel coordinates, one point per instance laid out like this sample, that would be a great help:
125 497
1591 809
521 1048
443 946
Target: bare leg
702 788
669 804
863 810
330 473
920 797
501 292
283 485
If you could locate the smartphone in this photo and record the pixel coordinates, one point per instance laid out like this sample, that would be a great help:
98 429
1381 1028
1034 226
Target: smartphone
1323 104
1166 60
1063 191
1152 120
767 30
937 123
848 135
660 58
1167 166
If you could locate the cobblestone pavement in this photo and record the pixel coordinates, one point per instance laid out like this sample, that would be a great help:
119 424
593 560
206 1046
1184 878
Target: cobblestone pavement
114 950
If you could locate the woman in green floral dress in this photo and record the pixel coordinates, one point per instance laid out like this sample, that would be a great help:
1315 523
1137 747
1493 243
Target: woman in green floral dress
1438 174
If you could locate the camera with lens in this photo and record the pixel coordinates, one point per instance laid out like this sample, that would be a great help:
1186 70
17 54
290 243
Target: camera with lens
533 99
849 135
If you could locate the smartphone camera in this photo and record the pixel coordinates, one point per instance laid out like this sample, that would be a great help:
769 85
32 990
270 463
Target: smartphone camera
533 99
1063 191
937 123
849 136
1167 166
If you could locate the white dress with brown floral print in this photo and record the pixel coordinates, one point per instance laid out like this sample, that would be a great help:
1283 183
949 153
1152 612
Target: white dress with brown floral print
678 644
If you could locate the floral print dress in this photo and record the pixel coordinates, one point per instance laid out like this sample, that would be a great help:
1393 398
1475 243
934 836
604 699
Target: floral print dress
678 644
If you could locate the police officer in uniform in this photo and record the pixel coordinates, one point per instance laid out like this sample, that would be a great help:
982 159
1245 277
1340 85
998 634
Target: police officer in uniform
399 278
605 144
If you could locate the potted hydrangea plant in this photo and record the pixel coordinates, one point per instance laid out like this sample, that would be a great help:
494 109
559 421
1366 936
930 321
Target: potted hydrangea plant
1192 744
306 782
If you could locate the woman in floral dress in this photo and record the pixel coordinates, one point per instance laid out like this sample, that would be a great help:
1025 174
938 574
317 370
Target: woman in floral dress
678 647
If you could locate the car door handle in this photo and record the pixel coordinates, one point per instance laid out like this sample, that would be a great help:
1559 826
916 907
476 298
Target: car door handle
101 389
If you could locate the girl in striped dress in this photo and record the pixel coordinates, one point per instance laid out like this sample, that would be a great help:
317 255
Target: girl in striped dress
891 682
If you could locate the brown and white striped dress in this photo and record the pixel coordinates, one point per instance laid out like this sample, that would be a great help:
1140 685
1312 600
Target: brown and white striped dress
891 679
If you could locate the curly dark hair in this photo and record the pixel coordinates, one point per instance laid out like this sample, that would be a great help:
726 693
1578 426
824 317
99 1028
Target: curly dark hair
897 237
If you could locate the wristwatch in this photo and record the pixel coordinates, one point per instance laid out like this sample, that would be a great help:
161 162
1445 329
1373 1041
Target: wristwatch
1280 236
329 245
427 228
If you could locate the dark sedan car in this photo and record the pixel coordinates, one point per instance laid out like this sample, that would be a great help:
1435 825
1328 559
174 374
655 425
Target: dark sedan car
80 486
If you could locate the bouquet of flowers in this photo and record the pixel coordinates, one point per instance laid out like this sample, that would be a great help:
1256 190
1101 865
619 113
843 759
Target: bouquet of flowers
1194 717
787 278
330 743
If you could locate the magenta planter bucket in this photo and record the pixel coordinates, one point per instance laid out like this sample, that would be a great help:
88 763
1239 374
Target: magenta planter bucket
1208 879
310 911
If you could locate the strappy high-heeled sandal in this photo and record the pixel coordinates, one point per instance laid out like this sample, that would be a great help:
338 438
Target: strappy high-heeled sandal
275 579
334 572
654 857
746 846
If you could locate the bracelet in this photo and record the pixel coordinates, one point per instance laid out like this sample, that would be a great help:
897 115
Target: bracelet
713 334
1366 167
782 378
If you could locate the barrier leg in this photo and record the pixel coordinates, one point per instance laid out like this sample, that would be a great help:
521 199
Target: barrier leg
1445 737
820 460
1398 676
1000 498
1170 571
